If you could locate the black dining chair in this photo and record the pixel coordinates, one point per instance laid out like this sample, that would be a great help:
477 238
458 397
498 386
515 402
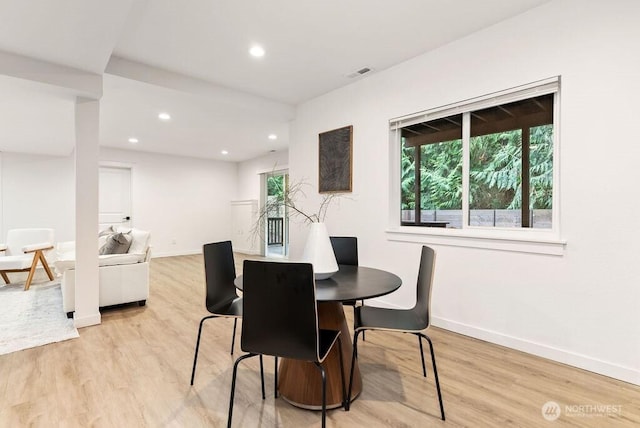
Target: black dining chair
345 249
280 318
222 300
412 321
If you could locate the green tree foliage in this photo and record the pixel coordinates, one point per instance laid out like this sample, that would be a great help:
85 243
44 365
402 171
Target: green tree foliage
441 176
275 186
541 155
408 177
495 172
496 169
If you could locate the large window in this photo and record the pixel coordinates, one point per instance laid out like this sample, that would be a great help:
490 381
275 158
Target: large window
488 165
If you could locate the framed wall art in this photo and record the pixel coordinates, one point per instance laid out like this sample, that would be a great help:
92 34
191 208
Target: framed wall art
335 160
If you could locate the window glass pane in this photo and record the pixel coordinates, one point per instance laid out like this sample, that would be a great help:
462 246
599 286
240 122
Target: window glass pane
541 175
498 137
436 147
407 183
441 183
495 172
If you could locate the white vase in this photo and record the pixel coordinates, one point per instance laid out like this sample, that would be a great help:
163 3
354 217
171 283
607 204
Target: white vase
319 252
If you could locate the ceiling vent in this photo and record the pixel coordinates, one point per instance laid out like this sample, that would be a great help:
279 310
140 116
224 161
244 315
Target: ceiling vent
361 72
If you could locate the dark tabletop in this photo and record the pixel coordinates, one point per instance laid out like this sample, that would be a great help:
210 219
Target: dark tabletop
352 283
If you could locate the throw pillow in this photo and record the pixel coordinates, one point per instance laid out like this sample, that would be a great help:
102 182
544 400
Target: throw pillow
117 243
103 235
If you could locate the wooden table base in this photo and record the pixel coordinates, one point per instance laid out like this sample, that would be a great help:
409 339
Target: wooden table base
300 383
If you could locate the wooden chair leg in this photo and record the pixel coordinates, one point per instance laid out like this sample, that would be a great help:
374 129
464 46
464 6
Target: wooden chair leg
5 277
32 271
43 260
37 256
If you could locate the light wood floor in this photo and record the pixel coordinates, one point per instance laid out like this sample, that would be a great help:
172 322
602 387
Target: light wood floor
134 370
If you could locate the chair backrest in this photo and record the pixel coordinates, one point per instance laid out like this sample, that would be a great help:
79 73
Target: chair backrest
425 281
220 271
346 249
279 311
18 238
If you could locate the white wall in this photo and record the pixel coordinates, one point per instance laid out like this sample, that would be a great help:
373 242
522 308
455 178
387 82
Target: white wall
581 308
38 191
249 189
249 173
179 198
176 198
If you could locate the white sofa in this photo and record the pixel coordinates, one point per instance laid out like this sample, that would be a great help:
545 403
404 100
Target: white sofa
124 278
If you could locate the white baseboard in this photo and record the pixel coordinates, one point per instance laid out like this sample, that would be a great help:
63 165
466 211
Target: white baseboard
86 320
192 252
585 362
176 253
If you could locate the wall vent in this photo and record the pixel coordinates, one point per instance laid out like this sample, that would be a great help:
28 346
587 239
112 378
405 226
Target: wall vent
361 72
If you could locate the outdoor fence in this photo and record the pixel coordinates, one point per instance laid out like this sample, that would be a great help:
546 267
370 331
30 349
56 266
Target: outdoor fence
540 219
275 229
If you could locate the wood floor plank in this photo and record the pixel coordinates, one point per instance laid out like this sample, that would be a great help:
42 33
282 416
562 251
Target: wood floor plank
134 369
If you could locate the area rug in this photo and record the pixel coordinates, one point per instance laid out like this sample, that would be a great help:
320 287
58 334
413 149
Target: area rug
32 318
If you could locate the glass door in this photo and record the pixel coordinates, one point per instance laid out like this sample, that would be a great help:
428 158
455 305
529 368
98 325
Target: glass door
277 227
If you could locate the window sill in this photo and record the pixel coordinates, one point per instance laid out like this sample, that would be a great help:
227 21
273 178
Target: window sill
522 241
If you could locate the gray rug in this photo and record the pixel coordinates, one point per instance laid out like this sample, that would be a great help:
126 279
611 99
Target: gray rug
32 318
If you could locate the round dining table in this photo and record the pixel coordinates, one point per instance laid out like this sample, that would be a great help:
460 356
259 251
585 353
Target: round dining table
299 382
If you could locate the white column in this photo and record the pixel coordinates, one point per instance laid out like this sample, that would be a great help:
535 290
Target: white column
86 165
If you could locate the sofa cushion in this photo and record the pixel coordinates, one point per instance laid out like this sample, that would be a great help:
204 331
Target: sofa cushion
116 243
69 261
120 259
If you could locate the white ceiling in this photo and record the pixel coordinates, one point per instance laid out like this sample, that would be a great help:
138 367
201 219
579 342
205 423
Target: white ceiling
219 97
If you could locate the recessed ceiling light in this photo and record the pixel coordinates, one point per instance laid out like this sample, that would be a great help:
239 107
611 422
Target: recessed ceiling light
256 51
133 140
164 116
272 137
224 152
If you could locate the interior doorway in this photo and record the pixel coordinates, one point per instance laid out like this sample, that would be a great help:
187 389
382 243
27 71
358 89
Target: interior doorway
114 197
277 219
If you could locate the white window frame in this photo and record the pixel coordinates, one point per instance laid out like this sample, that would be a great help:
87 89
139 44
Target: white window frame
528 240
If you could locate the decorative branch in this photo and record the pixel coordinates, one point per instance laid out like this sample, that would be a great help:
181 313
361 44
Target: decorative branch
289 198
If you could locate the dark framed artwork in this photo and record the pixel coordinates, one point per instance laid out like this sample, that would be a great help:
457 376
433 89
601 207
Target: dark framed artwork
335 160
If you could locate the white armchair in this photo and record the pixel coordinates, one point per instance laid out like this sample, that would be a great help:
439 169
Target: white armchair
123 278
22 252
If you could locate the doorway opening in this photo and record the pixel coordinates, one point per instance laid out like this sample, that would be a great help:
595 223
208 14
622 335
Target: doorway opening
277 219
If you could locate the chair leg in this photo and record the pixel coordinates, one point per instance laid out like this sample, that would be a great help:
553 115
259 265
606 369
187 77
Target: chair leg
32 271
344 392
363 337
354 314
5 277
275 379
353 363
435 375
262 377
195 357
424 370
233 385
45 265
324 394
233 338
